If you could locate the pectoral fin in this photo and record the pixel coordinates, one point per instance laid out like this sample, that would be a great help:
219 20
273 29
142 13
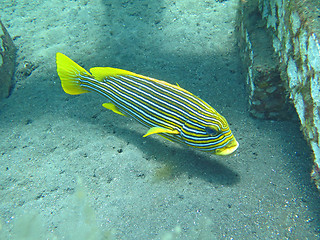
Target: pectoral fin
154 130
113 108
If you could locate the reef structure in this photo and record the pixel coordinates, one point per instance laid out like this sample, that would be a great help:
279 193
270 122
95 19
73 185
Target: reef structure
7 62
280 48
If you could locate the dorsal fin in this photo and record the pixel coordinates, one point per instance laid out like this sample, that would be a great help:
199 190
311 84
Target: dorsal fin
101 73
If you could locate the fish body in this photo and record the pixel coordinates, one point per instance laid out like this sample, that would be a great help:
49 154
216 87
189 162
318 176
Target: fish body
166 109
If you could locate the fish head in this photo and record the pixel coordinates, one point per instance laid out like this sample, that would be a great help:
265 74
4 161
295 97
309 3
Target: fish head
210 134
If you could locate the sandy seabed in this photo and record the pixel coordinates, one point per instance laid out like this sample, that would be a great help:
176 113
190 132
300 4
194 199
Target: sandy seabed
71 169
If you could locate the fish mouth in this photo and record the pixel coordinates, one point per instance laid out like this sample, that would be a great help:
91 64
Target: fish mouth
228 149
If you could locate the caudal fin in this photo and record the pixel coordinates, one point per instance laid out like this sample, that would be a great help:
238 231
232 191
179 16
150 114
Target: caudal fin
70 74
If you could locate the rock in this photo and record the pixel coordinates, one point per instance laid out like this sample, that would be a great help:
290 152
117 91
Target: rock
7 62
292 68
266 89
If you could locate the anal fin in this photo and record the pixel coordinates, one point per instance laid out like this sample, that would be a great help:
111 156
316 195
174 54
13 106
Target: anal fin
113 108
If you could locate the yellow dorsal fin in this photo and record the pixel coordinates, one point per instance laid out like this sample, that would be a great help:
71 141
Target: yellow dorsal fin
154 130
113 108
177 86
100 73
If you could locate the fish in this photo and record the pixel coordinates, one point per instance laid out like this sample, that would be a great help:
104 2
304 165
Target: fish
165 109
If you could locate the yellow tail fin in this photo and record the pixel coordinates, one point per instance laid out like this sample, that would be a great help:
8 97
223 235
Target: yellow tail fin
70 73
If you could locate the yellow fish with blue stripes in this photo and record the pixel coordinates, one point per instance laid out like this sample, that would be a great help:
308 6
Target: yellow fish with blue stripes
166 109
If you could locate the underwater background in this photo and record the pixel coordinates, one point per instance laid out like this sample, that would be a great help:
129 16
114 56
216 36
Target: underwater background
72 170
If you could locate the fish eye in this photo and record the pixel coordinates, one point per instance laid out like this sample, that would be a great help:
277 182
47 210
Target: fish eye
211 131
